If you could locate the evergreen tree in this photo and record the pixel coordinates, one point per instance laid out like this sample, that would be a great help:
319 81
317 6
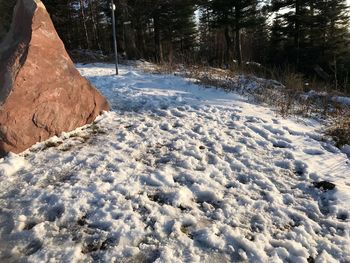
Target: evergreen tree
294 15
232 17
277 53
208 45
258 36
174 28
312 35
333 40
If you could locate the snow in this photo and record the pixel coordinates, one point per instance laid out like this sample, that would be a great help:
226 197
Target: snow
176 173
346 150
11 165
342 100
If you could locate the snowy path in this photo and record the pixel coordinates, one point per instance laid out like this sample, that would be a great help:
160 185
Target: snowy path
176 173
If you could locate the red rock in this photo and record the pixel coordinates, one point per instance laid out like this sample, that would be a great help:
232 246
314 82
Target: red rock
42 94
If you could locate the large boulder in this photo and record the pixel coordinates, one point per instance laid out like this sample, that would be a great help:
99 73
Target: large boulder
42 94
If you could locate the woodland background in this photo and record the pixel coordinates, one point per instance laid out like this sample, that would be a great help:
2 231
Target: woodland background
308 37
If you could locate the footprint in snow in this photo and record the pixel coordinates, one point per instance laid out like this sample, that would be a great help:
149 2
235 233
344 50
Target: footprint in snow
311 151
343 215
34 246
55 213
324 185
165 126
7 223
281 144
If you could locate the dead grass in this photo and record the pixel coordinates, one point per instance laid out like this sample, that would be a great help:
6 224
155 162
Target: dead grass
163 68
339 129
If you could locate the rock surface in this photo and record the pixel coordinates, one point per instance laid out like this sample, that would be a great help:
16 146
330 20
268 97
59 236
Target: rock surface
41 92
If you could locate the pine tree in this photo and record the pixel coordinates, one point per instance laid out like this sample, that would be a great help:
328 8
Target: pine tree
277 53
181 31
294 15
312 35
258 36
233 17
207 35
333 21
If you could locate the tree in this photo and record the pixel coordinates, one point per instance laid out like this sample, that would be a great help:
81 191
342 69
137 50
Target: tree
294 15
334 40
232 18
312 35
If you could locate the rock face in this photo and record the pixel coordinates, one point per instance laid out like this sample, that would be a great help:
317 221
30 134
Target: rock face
42 94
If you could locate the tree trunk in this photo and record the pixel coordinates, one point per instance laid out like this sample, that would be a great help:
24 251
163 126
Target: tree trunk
228 46
238 48
297 31
94 25
157 40
83 19
140 39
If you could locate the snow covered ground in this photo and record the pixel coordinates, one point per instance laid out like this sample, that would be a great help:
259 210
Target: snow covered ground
176 173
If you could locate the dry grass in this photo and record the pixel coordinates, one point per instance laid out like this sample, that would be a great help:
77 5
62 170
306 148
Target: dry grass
163 68
339 130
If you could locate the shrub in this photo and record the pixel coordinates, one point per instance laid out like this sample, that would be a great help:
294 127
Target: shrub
339 130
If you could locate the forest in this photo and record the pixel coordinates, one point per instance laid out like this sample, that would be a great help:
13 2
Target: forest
310 38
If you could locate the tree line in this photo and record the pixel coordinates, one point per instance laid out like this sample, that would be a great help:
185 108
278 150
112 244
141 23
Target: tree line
308 36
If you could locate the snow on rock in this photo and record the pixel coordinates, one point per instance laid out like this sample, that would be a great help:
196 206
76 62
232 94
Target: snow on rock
176 173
